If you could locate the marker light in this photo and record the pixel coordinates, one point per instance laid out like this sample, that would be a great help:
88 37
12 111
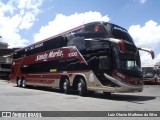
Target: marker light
121 46
97 28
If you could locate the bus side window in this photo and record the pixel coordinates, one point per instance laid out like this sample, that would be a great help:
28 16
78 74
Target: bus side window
76 39
78 42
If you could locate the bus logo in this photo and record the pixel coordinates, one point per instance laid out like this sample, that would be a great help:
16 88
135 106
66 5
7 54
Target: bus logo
51 54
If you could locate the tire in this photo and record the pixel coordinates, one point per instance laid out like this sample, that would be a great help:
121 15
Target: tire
66 86
156 81
23 83
19 83
81 87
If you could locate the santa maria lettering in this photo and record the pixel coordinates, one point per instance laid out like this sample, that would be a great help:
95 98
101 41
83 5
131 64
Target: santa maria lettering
52 54
49 55
42 57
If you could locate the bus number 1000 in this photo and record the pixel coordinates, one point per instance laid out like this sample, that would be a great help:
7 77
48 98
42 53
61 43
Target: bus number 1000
72 54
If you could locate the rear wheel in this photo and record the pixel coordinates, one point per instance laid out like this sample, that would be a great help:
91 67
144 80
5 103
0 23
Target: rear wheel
19 82
158 81
23 83
65 86
81 87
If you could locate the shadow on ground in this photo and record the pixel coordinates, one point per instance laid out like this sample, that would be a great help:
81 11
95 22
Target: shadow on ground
135 98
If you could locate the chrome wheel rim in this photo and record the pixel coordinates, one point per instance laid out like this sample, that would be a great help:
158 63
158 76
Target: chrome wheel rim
19 82
65 85
79 86
23 83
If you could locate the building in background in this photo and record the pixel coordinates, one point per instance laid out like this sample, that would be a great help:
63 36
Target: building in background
5 59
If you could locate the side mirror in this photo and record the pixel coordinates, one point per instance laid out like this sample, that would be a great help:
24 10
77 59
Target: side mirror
152 54
147 50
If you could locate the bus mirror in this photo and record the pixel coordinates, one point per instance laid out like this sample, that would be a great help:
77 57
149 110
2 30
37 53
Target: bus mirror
104 63
152 54
147 50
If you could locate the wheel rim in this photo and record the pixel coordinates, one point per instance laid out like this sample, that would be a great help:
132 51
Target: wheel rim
19 82
23 83
79 86
65 85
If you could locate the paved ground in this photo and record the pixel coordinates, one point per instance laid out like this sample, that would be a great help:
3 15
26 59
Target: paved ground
37 99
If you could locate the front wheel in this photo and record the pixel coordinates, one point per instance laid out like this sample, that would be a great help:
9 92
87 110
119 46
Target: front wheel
23 83
81 87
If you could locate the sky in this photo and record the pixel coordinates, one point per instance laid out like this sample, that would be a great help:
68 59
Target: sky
24 22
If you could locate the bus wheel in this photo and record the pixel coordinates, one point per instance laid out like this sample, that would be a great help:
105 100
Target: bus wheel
66 86
23 83
81 87
19 82
156 81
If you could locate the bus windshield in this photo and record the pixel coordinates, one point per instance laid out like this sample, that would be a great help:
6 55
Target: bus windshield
128 64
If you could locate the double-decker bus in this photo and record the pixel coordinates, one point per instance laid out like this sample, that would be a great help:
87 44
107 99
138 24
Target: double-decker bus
98 56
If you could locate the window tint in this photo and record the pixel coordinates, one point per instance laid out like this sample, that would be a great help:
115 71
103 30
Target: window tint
121 33
78 38
41 47
18 54
90 31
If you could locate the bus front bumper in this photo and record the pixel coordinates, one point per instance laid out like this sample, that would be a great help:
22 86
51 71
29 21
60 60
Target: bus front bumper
124 87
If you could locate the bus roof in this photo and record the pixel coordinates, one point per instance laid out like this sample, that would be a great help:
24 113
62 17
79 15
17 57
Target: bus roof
81 26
